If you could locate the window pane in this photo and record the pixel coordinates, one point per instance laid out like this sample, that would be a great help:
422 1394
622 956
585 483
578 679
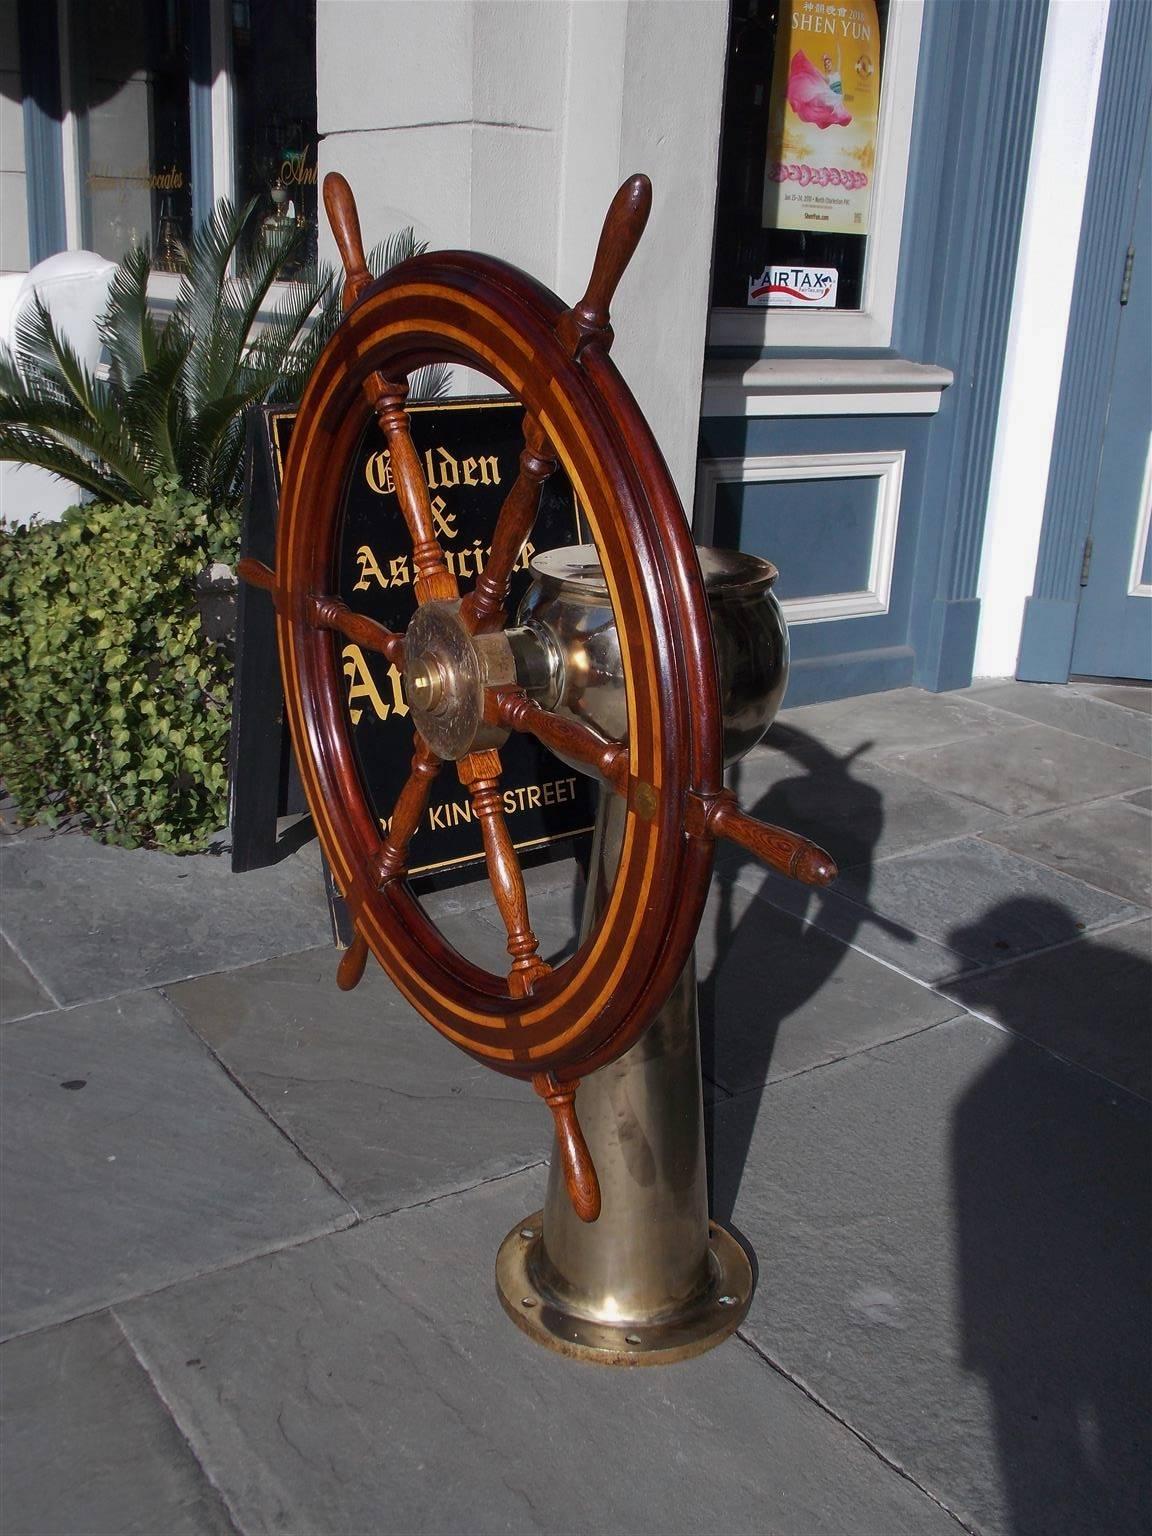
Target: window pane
797 161
274 74
130 70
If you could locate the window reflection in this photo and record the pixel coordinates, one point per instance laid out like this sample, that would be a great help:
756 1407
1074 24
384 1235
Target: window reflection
130 70
274 77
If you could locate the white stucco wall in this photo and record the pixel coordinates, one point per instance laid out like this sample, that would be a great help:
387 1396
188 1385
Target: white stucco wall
1045 269
505 126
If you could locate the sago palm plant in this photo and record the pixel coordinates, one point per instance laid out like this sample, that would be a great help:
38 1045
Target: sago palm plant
170 409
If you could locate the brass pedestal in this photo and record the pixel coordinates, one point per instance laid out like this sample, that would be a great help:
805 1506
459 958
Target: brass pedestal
653 1280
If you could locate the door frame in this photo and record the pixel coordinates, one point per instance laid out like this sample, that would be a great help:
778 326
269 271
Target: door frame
1051 612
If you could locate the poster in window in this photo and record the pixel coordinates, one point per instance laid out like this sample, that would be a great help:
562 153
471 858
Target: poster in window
822 119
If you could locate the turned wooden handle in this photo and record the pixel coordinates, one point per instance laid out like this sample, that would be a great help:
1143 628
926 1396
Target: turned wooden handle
623 226
624 223
350 971
576 1161
340 206
787 852
256 574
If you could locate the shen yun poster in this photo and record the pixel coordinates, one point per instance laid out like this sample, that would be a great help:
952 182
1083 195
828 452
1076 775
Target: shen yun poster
822 121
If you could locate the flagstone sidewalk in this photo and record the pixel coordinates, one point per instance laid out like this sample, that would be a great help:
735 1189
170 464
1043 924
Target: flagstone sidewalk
249 1222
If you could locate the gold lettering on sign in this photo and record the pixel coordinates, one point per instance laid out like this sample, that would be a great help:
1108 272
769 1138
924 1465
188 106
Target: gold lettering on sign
369 570
362 685
170 180
525 797
461 562
296 169
442 520
378 473
443 470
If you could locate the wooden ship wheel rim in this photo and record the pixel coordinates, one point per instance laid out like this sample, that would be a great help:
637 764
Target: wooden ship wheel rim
553 1026
459 308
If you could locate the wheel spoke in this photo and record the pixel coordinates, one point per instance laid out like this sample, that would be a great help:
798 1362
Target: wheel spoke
513 709
431 576
480 774
332 613
483 608
410 804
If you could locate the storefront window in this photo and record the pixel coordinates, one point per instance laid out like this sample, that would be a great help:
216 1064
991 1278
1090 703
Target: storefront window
798 155
130 72
274 83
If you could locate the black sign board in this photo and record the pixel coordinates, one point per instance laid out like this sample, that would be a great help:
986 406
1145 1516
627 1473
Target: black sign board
469 450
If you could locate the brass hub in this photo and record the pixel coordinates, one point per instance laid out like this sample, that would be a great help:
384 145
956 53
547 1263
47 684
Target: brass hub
446 672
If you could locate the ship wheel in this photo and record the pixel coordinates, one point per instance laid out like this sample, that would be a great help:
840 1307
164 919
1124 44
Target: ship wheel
551 1025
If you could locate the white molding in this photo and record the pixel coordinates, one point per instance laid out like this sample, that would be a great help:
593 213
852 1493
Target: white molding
72 171
1137 587
223 107
886 468
810 386
871 324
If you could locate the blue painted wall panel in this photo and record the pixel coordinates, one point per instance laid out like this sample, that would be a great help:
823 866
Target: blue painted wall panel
841 657
824 526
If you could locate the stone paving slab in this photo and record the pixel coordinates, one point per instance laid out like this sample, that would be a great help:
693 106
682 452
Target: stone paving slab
878 724
20 993
1110 715
131 1161
1131 696
859 812
778 997
1142 798
371 1383
953 1236
95 921
88 1445
940 912
387 1109
857 922
1089 1001
1033 768
1107 843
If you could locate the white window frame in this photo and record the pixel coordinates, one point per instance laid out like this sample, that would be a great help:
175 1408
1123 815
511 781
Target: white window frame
223 129
871 324
885 467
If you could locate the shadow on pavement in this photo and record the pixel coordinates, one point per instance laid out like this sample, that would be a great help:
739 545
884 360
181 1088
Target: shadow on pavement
1053 1243
822 777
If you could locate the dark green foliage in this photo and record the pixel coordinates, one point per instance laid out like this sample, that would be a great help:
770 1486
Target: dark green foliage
171 408
113 705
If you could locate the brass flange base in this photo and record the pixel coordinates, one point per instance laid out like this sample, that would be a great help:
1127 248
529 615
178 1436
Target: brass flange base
544 1317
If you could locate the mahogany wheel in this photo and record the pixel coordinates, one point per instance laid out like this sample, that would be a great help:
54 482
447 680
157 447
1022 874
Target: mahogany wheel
550 1025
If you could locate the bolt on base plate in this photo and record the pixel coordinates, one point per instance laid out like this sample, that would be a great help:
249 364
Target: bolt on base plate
701 1325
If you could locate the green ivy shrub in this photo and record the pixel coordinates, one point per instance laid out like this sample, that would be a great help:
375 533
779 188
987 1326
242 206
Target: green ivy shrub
114 706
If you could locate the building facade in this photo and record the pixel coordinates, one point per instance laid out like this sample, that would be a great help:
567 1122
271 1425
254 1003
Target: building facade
947 458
